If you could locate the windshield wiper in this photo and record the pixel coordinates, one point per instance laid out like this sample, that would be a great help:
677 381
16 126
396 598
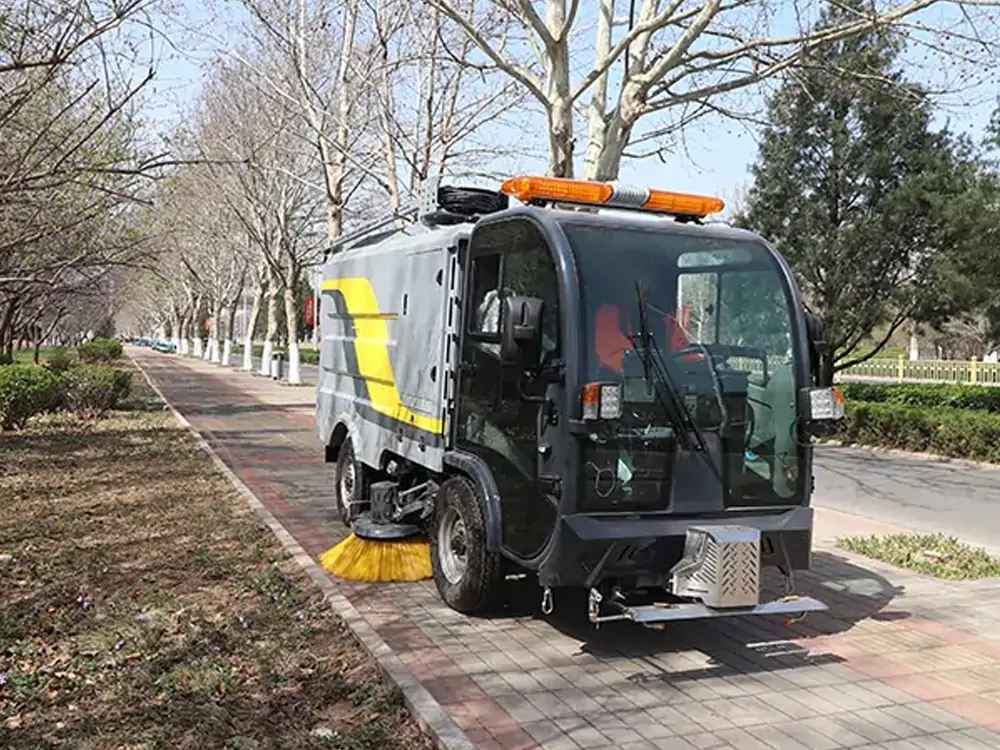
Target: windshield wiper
660 380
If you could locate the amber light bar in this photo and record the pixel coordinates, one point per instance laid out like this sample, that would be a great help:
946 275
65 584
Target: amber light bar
561 190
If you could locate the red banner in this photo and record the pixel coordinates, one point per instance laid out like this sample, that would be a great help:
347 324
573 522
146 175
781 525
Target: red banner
310 311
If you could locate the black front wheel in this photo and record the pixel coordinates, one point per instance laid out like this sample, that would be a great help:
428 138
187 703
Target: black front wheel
469 578
349 486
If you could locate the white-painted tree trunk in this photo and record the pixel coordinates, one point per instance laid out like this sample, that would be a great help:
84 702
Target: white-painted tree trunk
199 349
175 330
272 325
265 358
294 372
247 353
292 326
229 320
215 344
251 325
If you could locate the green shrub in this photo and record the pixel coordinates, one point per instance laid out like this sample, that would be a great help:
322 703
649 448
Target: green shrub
59 361
25 391
100 351
6 359
957 433
927 395
90 391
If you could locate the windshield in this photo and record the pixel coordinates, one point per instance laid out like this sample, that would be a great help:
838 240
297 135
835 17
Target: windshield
718 311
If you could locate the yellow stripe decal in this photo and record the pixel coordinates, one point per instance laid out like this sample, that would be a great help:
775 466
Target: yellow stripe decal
371 345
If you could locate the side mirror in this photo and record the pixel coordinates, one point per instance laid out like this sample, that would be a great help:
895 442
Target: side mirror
521 331
820 356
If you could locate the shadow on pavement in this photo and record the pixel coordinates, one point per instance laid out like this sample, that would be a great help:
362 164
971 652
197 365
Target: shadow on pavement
732 645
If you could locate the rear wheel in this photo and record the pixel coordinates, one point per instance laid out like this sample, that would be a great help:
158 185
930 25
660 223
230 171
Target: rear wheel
350 489
469 578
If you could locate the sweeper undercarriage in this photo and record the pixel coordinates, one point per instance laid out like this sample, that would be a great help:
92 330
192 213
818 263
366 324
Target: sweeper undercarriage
596 400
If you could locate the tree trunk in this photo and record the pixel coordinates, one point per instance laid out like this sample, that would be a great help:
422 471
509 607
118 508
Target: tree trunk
7 329
596 118
292 326
251 324
557 89
561 139
610 137
215 343
272 323
229 316
185 346
175 329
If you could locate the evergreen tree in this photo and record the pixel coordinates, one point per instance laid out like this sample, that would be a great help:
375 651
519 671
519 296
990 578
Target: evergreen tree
877 213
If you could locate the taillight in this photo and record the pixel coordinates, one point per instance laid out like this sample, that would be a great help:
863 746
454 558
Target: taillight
601 401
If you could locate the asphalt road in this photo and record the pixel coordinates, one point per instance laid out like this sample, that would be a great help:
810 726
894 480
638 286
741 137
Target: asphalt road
923 495
920 494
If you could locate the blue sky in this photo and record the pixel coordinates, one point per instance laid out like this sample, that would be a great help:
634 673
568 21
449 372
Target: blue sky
716 153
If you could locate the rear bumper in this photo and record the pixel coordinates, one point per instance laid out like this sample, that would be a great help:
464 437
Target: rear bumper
641 550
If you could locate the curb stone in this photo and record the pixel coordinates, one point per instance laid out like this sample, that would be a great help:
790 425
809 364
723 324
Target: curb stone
429 714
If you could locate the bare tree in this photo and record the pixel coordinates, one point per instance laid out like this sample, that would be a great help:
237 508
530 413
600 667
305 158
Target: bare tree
676 59
74 173
268 190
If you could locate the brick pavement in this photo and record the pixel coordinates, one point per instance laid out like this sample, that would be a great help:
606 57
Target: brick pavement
900 662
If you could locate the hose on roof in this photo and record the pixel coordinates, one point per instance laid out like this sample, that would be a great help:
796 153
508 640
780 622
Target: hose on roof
468 201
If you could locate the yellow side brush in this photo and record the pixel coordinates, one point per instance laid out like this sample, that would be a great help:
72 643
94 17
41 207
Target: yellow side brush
376 560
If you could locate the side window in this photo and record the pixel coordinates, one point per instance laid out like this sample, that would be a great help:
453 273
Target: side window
485 318
528 271
512 259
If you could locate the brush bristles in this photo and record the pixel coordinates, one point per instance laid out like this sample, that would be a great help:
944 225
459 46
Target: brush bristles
358 559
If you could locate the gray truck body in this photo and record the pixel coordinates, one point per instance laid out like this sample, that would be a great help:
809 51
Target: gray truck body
391 396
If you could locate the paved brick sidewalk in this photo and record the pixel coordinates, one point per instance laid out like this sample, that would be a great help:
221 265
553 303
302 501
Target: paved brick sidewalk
899 662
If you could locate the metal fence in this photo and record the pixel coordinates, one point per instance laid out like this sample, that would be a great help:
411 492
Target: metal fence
902 370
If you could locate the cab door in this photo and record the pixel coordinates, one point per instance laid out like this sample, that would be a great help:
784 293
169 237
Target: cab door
493 419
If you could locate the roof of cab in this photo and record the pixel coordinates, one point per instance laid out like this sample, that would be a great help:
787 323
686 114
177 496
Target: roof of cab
417 236
626 219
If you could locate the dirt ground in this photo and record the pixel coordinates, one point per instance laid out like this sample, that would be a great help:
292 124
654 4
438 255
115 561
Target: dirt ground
142 605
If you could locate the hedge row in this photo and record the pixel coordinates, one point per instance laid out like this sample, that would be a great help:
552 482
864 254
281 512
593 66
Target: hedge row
926 395
100 350
956 433
88 391
307 355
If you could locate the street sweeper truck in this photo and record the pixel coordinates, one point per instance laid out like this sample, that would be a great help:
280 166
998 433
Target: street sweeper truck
592 385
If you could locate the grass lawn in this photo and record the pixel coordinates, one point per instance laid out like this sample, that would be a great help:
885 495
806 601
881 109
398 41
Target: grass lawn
27 356
144 606
934 554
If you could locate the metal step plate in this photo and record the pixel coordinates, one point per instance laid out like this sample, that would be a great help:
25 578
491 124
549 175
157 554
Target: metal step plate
654 613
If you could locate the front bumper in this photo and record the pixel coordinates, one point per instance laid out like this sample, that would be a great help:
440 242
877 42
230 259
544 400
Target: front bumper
640 550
